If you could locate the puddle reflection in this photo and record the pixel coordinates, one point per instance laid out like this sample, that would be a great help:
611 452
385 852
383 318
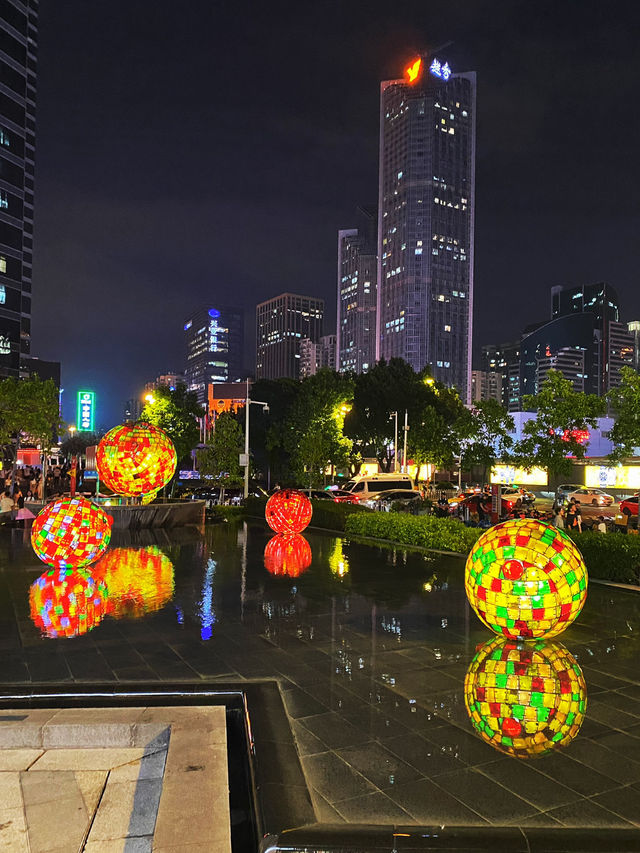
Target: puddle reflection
525 698
139 580
287 554
67 602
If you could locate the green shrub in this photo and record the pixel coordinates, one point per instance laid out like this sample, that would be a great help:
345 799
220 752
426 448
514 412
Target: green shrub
229 513
326 514
441 534
611 556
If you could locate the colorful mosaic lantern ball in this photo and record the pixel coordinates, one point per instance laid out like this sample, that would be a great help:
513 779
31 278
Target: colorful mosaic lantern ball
287 554
525 699
139 580
70 533
67 602
288 511
136 459
525 579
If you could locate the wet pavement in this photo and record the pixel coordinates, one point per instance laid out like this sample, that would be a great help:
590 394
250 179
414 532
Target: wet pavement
370 647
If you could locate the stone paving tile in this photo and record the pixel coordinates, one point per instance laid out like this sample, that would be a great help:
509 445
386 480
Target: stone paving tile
428 758
378 765
18 759
361 810
86 759
578 777
491 800
13 831
622 744
623 801
334 778
54 809
307 743
596 755
585 813
431 805
10 791
333 730
126 809
525 781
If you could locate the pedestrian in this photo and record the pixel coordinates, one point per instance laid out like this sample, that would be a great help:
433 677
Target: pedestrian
558 519
601 526
6 506
578 521
570 516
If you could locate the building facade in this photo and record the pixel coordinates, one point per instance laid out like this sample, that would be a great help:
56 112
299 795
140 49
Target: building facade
634 330
18 44
281 324
169 380
486 385
356 307
504 359
426 220
315 356
215 348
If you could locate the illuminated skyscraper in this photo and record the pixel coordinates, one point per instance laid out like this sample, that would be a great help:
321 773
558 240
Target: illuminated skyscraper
18 43
214 339
426 220
356 310
281 324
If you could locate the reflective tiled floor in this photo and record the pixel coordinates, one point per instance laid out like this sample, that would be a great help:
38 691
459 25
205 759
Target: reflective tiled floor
370 647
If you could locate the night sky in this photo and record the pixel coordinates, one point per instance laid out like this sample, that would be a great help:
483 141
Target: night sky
209 151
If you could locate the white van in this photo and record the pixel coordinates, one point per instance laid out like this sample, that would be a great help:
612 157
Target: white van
369 486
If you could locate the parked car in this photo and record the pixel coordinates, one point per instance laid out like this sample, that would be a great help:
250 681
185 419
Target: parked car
401 497
368 487
563 492
596 497
318 494
629 506
341 496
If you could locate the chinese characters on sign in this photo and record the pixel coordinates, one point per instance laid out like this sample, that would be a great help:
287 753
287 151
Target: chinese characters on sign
86 410
440 70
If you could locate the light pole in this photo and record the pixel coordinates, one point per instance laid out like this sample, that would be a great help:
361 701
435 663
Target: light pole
406 430
395 442
265 408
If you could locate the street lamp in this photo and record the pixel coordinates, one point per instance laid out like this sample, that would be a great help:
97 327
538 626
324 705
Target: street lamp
72 429
150 398
245 461
395 442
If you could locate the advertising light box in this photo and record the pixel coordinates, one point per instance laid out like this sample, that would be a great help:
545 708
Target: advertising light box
508 475
86 414
615 477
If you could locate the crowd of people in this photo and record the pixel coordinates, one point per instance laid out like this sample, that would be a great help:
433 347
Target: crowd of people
25 485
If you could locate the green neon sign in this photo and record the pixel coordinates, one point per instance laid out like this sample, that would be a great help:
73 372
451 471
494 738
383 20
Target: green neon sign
86 412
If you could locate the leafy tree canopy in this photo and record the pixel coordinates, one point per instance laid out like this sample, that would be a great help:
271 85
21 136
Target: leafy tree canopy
489 436
29 412
625 401
220 458
549 439
176 411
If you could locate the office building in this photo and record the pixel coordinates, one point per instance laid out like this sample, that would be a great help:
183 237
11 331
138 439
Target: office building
281 324
215 348
18 44
356 308
169 380
570 361
426 220
486 386
315 356
42 369
227 397
504 359
133 409
621 352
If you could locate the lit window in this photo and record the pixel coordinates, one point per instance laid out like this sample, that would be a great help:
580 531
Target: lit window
418 251
3 294
440 298
439 363
3 263
5 345
447 328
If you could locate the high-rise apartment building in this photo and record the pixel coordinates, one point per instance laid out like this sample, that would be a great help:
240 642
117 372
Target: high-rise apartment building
486 386
281 324
504 359
634 330
356 309
169 380
315 356
426 220
18 43
215 348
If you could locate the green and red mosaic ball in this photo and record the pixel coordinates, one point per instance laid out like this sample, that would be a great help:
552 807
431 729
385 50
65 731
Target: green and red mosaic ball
525 699
67 602
136 459
526 579
288 511
70 532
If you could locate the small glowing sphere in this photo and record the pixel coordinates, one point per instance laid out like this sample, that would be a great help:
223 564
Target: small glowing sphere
139 580
526 579
288 511
67 602
70 533
525 699
287 554
136 459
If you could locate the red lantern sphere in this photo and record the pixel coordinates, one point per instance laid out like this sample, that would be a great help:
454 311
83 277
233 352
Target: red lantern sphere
287 554
288 511
70 532
136 459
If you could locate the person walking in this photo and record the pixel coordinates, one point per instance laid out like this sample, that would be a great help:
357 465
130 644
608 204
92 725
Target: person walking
558 519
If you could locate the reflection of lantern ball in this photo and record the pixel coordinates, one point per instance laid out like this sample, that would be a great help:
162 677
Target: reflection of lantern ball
67 602
526 579
287 554
70 532
135 459
525 699
288 511
139 580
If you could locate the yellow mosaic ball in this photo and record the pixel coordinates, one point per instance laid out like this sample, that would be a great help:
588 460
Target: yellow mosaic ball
526 579
525 699
136 459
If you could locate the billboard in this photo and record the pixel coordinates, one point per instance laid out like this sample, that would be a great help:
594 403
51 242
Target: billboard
508 475
612 477
85 419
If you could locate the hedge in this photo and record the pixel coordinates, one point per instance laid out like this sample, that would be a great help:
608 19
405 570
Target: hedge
425 531
327 514
610 556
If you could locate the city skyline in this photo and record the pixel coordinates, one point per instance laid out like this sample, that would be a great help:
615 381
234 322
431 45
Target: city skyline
139 187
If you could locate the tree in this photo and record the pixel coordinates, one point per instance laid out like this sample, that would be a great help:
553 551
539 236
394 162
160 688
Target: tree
77 443
176 411
315 437
625 401
489 436
270 445
29 413
220 459
554 435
